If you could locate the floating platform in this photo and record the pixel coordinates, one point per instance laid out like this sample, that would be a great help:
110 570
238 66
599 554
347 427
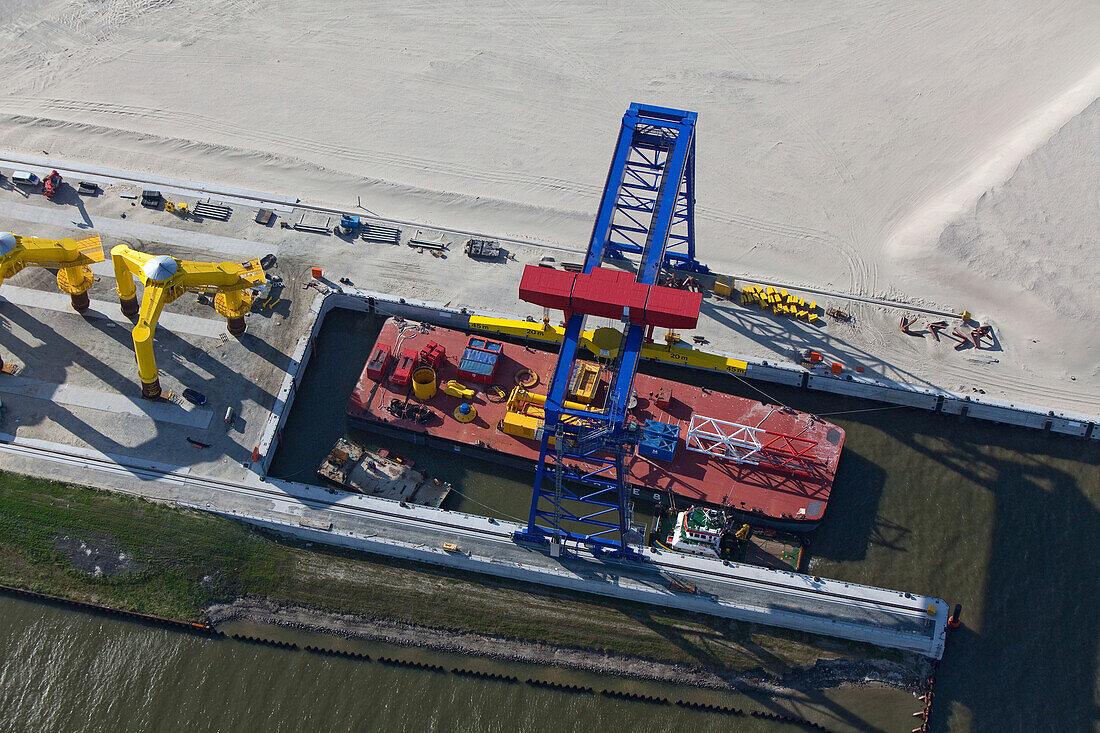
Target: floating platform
379 474
784 482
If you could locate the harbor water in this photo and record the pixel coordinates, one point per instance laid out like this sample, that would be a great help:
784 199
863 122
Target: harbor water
999 519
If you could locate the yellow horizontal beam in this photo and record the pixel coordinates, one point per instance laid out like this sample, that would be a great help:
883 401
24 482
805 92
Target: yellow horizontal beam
655 352
521 329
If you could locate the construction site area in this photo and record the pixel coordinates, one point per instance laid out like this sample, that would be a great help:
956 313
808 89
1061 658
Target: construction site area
235 287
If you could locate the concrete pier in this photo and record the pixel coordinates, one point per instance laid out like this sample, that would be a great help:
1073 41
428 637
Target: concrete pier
877 616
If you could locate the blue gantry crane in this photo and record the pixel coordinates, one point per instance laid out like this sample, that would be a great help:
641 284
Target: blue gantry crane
647 210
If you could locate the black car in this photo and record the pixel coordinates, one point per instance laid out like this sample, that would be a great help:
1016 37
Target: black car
195 398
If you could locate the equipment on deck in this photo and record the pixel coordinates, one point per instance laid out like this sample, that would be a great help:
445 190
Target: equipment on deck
349 225
647 209
179 209
483 249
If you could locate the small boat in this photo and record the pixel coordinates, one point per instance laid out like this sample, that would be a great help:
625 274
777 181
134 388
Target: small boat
381 474
712 533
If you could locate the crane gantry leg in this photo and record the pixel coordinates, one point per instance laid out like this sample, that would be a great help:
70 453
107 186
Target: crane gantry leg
166 278
647 209
70 257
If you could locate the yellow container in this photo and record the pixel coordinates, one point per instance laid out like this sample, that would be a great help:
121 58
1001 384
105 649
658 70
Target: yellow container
585 380
521 426
424 383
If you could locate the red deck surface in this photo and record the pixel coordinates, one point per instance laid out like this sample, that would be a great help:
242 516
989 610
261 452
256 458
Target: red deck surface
764 491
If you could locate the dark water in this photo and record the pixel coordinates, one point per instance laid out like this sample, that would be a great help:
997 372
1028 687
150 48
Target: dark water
63 670
999 519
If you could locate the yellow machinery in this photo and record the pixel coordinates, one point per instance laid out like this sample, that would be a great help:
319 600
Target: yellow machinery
457 389
70 257
526 413
465 412
584 382
603 342
179 209
167 278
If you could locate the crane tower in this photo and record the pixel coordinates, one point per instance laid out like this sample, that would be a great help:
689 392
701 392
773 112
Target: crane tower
646 211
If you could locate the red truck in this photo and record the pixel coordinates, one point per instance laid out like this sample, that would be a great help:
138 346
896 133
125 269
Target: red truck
52 183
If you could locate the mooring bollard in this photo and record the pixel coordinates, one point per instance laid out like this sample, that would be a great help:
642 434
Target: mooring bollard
955 621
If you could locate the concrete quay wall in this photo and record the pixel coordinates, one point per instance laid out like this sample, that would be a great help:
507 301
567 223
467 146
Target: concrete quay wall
930 644
789 374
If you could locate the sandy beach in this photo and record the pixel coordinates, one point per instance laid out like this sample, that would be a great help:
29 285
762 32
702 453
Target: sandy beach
942 154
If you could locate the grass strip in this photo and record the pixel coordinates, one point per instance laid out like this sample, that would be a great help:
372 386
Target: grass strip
97 546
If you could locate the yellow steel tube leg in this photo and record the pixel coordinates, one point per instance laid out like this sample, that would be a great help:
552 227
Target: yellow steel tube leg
152 303
124 281
233 302
75 281
540 399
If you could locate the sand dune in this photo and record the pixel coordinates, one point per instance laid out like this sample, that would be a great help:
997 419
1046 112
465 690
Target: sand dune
869 147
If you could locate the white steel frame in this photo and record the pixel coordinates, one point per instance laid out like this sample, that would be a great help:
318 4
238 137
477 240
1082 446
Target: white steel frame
724 439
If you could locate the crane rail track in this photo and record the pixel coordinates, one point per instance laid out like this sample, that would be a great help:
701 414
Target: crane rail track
201 190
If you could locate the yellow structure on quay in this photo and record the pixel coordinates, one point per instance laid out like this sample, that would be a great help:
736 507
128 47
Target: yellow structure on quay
165 279
70 257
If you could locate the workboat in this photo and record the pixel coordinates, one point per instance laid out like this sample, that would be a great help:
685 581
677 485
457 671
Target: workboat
378 473
768 464
711 533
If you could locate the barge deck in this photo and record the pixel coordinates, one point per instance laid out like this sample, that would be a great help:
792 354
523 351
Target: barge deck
787 488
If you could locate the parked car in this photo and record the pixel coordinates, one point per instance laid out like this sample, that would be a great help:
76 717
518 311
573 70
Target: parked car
25 178
195 398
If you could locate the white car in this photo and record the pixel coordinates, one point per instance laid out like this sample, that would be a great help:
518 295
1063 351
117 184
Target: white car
25 178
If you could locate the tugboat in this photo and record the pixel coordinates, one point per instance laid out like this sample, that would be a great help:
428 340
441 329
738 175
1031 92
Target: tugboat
698 531
711 533
381 474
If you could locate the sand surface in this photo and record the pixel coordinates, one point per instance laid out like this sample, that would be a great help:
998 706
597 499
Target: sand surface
938 153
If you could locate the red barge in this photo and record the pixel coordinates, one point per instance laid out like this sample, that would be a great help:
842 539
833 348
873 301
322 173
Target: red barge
769 464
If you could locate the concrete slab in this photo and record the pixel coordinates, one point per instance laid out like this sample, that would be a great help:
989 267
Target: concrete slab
57 301
120 228
67 394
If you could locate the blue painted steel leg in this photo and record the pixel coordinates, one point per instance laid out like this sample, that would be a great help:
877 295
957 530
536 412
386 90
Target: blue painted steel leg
647 209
